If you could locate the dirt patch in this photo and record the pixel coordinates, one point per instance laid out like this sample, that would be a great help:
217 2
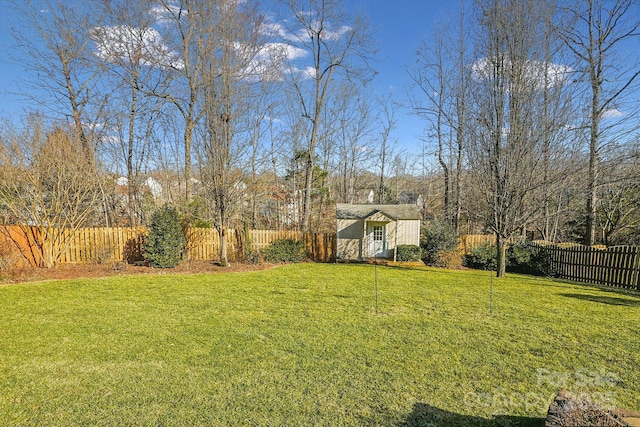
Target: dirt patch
77 271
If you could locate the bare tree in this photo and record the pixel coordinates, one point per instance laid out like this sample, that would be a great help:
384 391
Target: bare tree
183 29
60 62
231 41
335 43
441 75
354 119
431 75
462 79
599 32
618 211
258 124
505 152
387 146
48 185
554 115
130 47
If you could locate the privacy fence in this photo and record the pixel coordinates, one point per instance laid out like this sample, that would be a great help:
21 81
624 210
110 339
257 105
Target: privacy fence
617 266
113 244
470 241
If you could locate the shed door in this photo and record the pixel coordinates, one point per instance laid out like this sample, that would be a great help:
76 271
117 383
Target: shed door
377 240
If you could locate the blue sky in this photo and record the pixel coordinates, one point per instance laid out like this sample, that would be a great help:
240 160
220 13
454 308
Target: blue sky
400 25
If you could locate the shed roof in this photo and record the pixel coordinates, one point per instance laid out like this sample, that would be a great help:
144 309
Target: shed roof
396 212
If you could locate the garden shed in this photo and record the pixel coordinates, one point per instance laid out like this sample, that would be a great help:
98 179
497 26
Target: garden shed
374 231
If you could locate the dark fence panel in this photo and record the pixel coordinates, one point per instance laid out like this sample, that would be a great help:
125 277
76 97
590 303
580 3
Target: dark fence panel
616 266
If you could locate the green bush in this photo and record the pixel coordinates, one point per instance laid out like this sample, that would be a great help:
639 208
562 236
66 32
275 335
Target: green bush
436 238
285 250
521 258
163 246
481 257
408 253
528 259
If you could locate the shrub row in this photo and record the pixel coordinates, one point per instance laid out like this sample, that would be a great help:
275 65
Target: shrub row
521 258
163 246
439 248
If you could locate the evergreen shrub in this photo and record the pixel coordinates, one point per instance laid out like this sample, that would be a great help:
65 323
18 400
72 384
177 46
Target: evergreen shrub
436 238
285 250
481 257
408 253
163 246
527 259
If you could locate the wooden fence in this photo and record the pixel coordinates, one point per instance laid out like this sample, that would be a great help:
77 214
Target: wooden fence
470 241
617 266
109 244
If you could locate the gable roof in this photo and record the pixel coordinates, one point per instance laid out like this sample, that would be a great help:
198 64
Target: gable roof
396 212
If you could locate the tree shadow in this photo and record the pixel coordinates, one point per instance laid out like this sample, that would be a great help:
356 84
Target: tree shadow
628 302
424 415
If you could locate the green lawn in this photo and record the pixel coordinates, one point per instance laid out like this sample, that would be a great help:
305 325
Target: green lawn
303 345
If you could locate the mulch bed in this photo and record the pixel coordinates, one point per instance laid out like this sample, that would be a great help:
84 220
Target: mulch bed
76 271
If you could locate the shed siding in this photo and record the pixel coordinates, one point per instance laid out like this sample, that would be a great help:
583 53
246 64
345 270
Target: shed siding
352 240
349 241
350 228
408 232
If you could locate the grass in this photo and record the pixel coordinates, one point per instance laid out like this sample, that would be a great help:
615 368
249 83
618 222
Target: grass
303 345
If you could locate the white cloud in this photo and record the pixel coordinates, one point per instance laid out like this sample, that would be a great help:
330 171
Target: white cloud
165 14
335 35
538 73
275 29
281 51
306 72
309 72
131 44
269 62
293 52
286 50
612 113
272 119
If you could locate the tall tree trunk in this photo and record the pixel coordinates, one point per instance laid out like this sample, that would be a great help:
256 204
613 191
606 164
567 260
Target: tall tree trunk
446 178
188 137
594 166
501 259
132 187
458 205
306 204
75 108
224 260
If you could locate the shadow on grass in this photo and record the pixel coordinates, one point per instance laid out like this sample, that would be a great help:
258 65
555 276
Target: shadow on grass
605 300
424 415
